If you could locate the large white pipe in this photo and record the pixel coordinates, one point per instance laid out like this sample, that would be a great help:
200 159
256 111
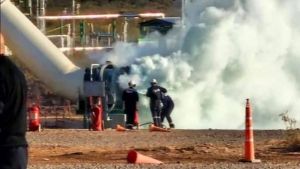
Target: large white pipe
38 53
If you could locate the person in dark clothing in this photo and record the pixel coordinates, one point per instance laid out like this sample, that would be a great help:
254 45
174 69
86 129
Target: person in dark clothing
155 94
87 75
13 93
168 106
130 99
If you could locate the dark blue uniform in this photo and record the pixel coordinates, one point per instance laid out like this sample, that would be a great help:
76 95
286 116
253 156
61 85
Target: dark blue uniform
168 106
13 93
130 98
155 94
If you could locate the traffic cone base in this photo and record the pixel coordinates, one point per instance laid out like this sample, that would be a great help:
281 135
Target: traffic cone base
155 128
250 161
137 158
120 128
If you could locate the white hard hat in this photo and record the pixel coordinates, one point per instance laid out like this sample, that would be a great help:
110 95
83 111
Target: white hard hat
154 81
131 83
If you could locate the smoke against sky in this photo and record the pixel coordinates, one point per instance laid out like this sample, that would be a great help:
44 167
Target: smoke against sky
227 51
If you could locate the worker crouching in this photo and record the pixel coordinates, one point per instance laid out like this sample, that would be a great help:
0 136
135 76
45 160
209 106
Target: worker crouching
96 115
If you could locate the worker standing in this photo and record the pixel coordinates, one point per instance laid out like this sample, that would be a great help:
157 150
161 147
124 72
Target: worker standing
154 92
130 99
96 115
13 93
168 106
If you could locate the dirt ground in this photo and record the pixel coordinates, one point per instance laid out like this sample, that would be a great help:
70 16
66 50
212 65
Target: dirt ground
178 147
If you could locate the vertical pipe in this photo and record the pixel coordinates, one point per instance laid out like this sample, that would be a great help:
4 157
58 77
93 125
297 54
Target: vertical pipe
92 28
68 39
37 14
82 32
62 22
183 12
42 13
114 30
30 7
125 29
74 23
62 42
110 33
69 30
61 30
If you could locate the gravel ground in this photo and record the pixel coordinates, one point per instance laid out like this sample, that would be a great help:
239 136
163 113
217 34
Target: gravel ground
169 166
77 148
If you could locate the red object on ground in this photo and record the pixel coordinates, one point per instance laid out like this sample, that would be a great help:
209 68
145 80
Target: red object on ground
152 127
34 118
120 128
137 158
97 118
136 118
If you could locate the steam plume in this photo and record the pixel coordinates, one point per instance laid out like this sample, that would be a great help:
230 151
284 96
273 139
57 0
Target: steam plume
228 51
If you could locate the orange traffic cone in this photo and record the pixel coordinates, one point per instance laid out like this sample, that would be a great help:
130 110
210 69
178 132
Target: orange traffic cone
120 128
152 127
135 157
249 139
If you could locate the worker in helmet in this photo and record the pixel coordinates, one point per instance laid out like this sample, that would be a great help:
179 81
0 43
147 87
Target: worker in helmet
168 106
130 99
13 95
154 92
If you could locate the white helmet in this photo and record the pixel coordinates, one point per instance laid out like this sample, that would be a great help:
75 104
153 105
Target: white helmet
154 81
131 83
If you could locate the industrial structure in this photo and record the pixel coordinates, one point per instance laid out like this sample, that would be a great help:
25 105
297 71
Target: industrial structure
34 49
77 32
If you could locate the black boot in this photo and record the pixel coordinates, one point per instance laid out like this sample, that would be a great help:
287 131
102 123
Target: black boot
172 125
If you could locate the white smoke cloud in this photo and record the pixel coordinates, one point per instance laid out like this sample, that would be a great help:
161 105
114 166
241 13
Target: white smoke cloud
229 50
